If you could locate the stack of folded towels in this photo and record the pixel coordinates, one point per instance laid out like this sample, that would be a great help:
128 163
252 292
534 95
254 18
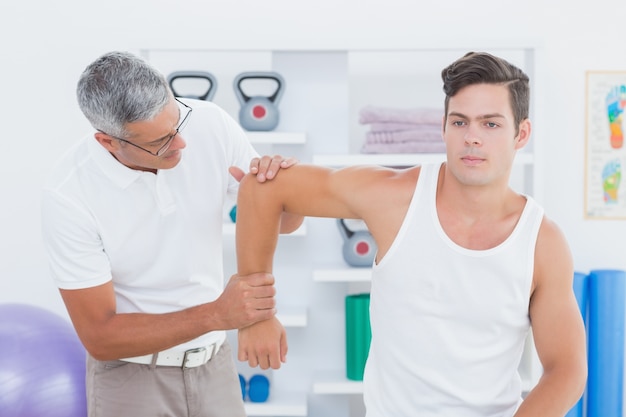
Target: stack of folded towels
402 130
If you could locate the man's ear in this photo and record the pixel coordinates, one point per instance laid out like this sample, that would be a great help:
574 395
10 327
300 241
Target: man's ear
109 143
524 134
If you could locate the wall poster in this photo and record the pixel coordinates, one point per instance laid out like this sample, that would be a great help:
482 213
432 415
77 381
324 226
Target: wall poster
605 155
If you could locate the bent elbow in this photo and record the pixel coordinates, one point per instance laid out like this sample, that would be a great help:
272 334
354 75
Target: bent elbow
97 347
97 351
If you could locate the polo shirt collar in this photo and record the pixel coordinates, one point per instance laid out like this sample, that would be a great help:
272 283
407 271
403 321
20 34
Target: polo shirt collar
117 172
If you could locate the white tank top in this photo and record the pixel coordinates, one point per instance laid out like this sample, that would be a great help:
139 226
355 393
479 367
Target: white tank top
448 323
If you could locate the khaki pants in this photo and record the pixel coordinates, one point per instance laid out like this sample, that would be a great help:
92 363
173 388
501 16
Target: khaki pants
124 389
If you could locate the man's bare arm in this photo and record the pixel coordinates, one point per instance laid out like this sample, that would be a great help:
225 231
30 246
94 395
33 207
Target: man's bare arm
107 335
558 329
302 190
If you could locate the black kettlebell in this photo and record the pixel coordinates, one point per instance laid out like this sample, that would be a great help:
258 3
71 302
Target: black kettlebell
259 113
359 247
201 75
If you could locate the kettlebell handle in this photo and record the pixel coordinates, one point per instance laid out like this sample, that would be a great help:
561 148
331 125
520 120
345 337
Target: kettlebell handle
343 229
274 98
207 96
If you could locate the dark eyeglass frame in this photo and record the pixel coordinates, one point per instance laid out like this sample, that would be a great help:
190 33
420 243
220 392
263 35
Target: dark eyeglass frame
169 140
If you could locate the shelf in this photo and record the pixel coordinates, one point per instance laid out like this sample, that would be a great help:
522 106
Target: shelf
396 160
345 274
291 404
291 316
228 229
276 138
336 383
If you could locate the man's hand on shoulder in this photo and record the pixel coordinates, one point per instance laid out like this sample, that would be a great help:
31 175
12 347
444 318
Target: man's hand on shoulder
265 168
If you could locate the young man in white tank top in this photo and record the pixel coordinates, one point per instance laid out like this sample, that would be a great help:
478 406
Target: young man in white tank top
464 265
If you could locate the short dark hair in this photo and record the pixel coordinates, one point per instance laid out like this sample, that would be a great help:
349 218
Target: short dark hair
484 68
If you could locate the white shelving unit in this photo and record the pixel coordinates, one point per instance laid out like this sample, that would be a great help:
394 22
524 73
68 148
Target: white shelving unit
343 274
336 383
291 316
324 91
277 138
280 403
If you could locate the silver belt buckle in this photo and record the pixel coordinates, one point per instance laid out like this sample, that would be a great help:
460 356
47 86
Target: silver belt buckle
191 353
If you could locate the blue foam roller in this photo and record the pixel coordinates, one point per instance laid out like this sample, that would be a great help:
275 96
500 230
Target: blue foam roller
258 388
581 292
607 293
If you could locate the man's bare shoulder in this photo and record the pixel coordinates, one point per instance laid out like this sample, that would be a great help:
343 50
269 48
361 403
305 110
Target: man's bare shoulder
553 258
550 235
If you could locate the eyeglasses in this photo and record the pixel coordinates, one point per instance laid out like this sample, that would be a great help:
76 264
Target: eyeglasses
169 139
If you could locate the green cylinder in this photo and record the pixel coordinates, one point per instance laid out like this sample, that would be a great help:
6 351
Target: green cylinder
358 334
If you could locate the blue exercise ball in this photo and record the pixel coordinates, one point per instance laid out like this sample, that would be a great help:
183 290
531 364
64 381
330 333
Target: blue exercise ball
42 364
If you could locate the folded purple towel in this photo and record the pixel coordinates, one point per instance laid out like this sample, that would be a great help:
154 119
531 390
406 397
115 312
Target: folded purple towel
373 114
404 147
433 135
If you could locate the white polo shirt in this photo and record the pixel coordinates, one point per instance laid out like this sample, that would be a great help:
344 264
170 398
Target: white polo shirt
157 237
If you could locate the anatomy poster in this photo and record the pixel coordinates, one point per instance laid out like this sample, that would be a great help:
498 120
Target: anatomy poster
605 191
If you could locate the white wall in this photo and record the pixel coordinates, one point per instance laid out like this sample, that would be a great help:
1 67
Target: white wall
45 46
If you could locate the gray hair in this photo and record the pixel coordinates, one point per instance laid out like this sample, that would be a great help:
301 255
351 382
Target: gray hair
120 88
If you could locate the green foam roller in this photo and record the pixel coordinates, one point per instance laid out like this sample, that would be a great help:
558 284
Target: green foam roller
358 334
